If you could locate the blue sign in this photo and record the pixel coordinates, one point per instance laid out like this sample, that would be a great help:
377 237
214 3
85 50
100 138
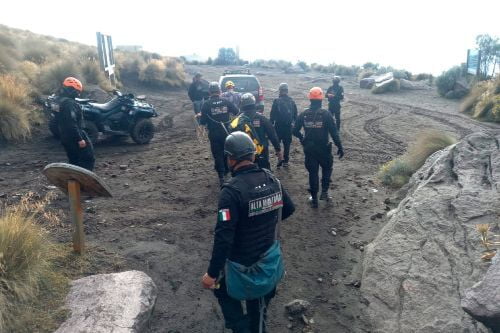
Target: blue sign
473 59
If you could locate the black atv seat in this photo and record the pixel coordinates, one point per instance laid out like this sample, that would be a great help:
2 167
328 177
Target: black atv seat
106 106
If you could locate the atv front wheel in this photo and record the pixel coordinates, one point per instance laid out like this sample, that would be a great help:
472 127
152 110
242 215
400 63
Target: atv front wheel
143 131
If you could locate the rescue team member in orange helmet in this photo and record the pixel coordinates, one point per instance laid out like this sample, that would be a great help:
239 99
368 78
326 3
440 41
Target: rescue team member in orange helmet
69 118
318 125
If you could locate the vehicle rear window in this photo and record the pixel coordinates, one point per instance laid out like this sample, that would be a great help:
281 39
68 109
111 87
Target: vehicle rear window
241 84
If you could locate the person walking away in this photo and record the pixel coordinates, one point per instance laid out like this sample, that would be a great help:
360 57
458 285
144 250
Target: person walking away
198 92
283 115
250 207
318 125
335 94
75 141
259 128
215 114
231 95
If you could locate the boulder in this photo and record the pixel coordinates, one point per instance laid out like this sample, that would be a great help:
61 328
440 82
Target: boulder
482 301
419 266
366 83
412 85
118 303
391 85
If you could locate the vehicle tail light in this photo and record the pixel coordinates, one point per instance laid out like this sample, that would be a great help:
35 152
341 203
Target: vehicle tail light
261 94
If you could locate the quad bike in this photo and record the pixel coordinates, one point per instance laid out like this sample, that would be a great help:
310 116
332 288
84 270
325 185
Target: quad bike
123 115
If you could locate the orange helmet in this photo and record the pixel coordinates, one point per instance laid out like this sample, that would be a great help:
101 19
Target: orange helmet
316 93
74 83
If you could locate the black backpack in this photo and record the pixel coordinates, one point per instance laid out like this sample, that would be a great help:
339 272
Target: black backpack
285 110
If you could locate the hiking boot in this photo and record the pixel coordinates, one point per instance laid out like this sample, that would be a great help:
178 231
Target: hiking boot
313 202
324 196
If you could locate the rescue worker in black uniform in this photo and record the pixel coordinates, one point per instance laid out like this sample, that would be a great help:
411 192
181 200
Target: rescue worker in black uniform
241 235
318 125
283 115
198 92
259 128
75 141
215 114
335 94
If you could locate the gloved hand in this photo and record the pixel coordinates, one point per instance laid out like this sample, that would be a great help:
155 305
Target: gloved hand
340 152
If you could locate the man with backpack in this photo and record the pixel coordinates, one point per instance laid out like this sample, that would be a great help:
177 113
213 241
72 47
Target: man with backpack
335 94
215 114
251 205
259 128
318 125
283 115
198 92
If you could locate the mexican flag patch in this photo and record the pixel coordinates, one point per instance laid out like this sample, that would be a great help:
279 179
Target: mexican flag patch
224 215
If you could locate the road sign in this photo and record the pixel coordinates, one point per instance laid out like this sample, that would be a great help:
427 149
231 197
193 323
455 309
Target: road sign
473 61
106 56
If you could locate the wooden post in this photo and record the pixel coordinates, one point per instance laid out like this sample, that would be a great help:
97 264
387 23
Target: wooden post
76 216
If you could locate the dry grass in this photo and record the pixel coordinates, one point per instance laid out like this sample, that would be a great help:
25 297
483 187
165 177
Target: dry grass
398 172
14 116
483 102
25 268
53 75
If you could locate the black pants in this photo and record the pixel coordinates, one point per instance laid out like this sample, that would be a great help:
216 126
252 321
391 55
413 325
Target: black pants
262 159
217 148
82 157
286 138
232 310
312 162
335 110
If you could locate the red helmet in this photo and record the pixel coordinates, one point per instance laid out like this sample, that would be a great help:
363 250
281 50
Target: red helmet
74 83
316 93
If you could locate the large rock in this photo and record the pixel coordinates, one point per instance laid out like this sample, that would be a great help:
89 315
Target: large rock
427 255
104 303
482 301
366 83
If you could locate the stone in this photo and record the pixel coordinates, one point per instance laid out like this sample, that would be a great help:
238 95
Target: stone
167 121
297 307
366 83
123 167
482 300
427 255
119 303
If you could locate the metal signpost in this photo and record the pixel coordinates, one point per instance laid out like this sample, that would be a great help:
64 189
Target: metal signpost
106 56
74 180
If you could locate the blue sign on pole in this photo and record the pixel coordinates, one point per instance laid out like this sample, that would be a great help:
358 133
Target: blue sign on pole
473 59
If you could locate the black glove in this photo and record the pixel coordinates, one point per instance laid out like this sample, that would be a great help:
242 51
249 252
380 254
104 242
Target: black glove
340 152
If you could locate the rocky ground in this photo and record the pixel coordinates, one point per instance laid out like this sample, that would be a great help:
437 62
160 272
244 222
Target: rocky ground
163 212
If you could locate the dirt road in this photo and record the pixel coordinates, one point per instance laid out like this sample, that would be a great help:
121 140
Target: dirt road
163 212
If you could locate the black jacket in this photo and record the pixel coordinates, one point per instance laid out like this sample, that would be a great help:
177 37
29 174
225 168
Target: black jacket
246 218
198 90
283 113
263 127
318 124
215 113
69 119
338 93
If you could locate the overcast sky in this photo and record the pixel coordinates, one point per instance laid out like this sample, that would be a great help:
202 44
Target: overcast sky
421 36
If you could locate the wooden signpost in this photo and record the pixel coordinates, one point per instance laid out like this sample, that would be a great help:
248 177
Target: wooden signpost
73 181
